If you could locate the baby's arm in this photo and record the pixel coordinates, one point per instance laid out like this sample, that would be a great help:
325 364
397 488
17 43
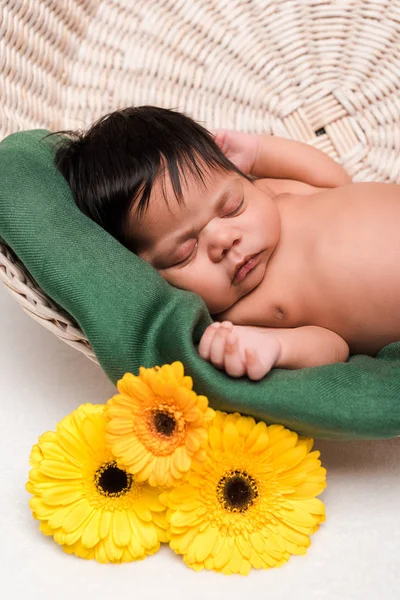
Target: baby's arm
254 351
271 156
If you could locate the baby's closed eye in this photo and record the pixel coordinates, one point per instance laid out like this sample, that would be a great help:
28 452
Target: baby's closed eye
231 209
188 256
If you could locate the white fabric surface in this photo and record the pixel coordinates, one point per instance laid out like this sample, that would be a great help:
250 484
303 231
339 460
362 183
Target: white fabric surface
355 554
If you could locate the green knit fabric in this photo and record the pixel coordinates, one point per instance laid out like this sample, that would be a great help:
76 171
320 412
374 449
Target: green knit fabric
132 317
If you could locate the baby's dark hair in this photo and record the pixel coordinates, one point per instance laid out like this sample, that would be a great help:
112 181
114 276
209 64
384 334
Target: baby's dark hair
113 166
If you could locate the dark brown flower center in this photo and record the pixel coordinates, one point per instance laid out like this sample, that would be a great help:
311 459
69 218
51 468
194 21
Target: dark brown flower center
164 423
237 491
112 481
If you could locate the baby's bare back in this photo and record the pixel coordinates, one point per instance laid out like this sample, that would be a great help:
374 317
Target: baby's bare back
337 265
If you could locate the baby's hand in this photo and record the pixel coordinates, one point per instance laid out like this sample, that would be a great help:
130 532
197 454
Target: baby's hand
240 350
241 148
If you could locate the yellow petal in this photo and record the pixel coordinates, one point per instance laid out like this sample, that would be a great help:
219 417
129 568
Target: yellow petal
277 432
298 516
79 550
296 550
257 542
112 551
36 456
142 511
105 523
160 473
230 437
56 495
150 498
224 554
180 495
77 515
93 436
100 553
260 445
306 441
245 425
215 438
133 387
145 472
219 419
292 535
204 543
192 442
289 459
45 528
137 457
259 429
72 445
182 518
123 445
308 490
313 505
236 560
59 469
145 532
57 516
59 536
91 533
181 459
121 528
135 547
284 444
121 425
71 537
53 451
178 371
183 542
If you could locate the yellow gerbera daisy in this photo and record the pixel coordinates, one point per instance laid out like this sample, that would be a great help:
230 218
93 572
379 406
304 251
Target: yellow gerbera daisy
92 508
251 503
157 424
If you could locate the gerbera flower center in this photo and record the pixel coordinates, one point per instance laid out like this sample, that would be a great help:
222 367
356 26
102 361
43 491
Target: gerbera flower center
164 423
112 481
237 491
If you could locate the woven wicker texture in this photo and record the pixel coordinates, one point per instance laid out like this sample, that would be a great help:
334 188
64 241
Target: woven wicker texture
323 72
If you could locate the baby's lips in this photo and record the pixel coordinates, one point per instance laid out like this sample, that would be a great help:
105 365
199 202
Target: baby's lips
252 260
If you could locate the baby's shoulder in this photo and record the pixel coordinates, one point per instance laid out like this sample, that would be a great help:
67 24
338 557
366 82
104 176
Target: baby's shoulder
287 186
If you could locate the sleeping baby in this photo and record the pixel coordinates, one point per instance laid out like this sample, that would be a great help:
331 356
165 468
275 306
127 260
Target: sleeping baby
297 265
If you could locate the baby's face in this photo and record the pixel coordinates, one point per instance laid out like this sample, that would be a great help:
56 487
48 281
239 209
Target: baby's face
217 244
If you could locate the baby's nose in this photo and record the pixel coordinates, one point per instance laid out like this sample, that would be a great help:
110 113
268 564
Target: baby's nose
221 242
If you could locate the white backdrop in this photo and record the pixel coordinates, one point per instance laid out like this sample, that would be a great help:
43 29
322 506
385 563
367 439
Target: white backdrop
355 554
157 56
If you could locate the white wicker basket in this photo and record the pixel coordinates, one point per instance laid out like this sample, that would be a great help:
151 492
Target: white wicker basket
323 72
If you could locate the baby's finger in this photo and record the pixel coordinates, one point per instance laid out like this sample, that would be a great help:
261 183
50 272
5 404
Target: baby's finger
218 132
206 340
227 324
217 351
256 370
234 365
220 138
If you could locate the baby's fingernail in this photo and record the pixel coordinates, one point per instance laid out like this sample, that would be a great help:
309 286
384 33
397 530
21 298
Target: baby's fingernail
216 324
227 324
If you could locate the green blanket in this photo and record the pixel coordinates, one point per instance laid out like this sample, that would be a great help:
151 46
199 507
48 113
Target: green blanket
132 317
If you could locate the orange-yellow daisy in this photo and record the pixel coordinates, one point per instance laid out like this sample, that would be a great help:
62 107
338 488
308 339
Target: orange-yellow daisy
90 506
251 503
157 424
